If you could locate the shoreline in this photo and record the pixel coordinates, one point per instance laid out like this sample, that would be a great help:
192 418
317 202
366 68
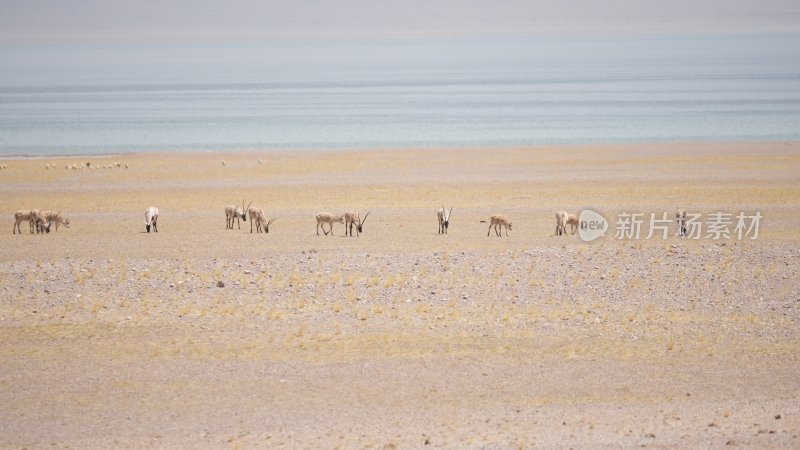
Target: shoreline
329 150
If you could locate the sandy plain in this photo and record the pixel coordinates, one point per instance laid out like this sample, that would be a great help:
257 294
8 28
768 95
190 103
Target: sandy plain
401 338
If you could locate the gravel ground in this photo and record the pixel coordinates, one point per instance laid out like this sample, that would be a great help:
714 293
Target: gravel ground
203 337
606 345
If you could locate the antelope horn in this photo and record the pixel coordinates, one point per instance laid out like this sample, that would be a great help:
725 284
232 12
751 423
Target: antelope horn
272 220
449 213
248 205
365 218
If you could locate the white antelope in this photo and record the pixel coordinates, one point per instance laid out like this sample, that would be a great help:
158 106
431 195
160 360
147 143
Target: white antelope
233 212
680 218
330 219
353 218
151 219
561 223
258 217
56 218
498 221
23 215
444 219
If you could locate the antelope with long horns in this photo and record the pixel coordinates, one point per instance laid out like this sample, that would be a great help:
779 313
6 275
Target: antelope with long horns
57 219
353 218
151 219
258 217
233 212
41 224
444 219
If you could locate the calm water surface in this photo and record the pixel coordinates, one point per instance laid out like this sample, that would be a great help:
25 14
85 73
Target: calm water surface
411 93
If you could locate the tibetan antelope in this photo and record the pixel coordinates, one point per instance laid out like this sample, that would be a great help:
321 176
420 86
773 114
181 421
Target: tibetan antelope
353 218
57 219
561 223
330 219
498 221
258 217
23 215
39 221
444 219
572 221
680 219
151 219
233 212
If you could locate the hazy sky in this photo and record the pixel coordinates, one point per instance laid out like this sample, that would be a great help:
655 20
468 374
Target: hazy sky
234 20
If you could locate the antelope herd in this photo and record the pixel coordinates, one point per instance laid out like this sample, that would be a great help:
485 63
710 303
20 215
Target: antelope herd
40 222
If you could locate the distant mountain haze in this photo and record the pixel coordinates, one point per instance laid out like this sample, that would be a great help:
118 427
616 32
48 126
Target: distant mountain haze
54 21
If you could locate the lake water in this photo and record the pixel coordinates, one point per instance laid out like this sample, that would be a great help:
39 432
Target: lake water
115 98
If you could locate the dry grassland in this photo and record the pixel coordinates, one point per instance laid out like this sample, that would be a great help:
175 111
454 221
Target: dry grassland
401 338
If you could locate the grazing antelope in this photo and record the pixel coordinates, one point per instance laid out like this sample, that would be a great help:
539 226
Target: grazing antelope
330 219
444 219
22 215
255 214
258 217
680 218
353 218
233 212
56 219
572 221
34 220
38 219
498 221
561 223
151 219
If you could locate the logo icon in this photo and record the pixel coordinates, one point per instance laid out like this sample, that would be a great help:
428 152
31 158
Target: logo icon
592 225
